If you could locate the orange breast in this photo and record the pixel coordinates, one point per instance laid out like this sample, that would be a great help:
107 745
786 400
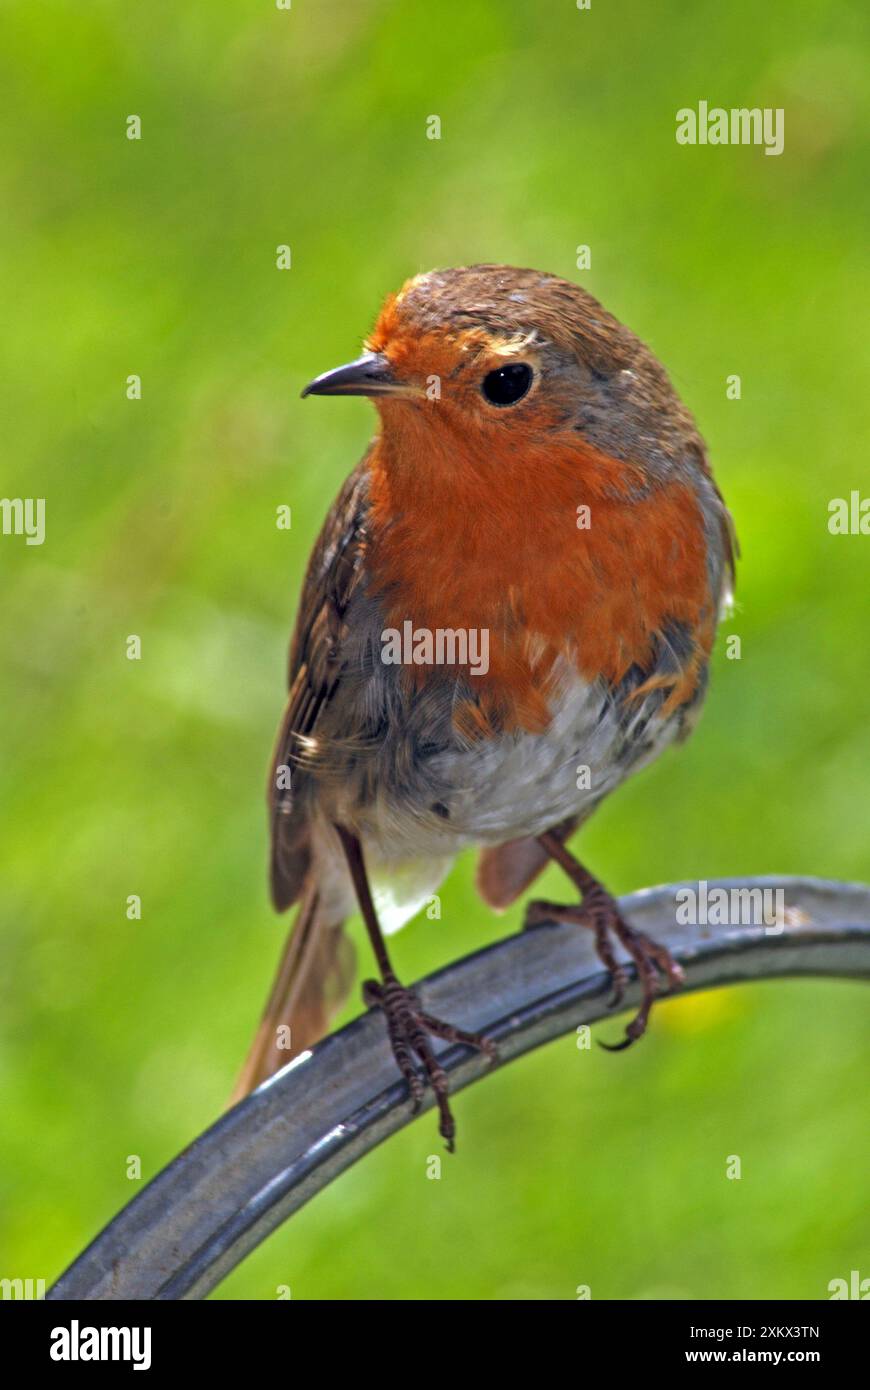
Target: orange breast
486 542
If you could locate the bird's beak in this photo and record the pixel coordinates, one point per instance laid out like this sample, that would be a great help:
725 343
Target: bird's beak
369 375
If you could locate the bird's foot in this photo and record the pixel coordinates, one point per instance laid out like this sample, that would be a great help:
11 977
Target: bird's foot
600 912
409 1028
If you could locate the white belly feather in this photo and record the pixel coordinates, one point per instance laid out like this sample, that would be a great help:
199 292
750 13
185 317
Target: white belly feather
506 787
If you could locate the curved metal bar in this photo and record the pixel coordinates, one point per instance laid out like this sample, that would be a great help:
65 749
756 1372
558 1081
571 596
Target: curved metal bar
268 1155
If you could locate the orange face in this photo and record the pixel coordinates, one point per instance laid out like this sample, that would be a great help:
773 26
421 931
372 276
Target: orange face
471 396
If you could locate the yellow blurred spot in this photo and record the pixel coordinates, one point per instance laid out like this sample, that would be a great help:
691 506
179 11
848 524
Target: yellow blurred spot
695 1013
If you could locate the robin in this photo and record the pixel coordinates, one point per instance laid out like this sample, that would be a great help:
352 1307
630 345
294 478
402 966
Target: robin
509 610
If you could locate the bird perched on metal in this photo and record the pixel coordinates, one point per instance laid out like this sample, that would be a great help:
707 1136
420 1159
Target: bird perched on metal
509 610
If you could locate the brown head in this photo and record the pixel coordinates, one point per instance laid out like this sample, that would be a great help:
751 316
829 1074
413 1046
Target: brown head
500 359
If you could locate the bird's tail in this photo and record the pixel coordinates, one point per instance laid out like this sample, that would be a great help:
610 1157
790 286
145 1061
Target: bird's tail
313 980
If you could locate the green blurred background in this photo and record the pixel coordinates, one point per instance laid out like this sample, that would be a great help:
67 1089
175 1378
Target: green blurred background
262 127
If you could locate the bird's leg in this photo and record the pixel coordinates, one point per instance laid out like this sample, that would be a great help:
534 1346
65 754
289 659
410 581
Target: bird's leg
409 1027
599 911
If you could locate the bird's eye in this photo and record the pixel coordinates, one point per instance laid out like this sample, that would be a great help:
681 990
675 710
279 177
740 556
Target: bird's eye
507 385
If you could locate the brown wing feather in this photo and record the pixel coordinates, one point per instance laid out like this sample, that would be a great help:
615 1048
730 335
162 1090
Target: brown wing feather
333 573
316 967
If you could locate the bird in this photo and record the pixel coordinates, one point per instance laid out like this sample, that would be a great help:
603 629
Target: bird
510 609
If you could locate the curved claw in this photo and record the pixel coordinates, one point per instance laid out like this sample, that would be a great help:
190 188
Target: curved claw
409 1028
600 913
